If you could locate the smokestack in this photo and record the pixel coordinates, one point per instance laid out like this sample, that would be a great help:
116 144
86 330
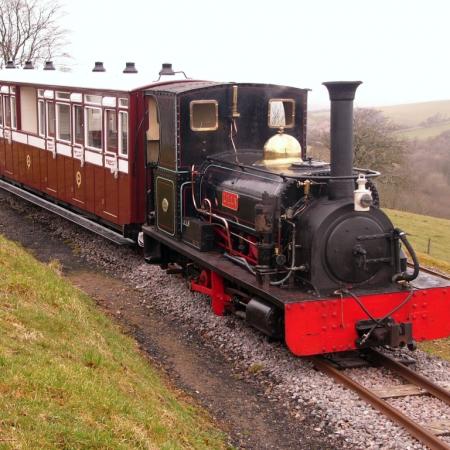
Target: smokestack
342 94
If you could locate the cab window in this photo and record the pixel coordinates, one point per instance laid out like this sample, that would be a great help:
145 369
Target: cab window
204 115
281 113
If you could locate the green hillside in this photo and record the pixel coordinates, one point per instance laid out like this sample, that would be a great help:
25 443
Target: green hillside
412 115
416 120
70 379
422 229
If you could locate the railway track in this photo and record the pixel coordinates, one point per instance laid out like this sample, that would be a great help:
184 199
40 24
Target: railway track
419 385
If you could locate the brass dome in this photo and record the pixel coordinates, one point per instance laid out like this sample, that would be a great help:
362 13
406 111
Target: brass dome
282 149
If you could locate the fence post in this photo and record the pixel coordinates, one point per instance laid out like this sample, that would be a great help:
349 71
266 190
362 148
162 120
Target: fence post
429 246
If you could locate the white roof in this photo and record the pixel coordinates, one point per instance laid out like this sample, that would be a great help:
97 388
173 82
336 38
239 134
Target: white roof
124 82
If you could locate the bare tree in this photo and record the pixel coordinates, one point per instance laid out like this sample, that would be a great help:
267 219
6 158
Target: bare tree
376 147
30 31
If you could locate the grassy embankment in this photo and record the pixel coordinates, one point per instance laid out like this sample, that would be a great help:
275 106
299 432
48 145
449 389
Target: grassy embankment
420 229
70 379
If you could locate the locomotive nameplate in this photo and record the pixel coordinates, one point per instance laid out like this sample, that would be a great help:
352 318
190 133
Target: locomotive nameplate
230 200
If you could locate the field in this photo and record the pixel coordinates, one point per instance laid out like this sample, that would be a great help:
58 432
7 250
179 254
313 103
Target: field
70 379
414 119
420 230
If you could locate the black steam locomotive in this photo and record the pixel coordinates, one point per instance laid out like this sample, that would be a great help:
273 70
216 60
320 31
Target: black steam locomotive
298 247
214 179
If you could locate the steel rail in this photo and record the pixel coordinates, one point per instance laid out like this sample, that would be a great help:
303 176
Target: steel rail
415 429
432 272
411 376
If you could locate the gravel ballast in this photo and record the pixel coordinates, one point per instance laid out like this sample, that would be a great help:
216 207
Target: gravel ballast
285 378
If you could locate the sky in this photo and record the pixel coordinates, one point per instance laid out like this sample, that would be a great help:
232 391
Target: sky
398 48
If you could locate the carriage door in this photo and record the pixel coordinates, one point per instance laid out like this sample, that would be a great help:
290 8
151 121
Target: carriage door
111 204
2 144
51 177
7 133
78 187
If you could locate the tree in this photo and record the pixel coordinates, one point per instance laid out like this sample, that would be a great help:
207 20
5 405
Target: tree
377 147
30 31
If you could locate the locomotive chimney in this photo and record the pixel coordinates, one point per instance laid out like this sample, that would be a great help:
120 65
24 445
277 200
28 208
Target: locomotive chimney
342 94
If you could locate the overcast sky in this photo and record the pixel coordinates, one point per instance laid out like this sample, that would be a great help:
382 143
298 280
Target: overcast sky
398 48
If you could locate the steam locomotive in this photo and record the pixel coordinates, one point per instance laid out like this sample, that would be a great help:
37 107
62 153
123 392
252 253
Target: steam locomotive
214 182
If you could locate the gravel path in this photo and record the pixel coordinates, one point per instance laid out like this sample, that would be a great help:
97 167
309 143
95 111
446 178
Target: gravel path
286 379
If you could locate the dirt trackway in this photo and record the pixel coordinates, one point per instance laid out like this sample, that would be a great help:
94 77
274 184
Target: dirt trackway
240 406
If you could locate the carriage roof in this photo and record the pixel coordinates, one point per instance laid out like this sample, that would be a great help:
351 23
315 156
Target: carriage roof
123 82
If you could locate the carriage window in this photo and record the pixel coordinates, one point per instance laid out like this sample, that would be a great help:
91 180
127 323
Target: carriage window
123 102
13 113
51 119
93 125
1 111
78 121
7 111
94 99
281 113
123 129
204 115
40 92
63 96
63 114
41 117
111 130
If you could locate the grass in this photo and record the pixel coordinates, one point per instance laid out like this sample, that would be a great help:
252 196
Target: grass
424 132
69 378
422 228
409 116
412 114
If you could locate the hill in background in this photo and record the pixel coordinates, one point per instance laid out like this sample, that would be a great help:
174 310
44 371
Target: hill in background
424 129
414 120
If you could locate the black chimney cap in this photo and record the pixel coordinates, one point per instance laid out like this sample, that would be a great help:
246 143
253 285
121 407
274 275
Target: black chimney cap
130 68
166 69
342 90
98 67
10 65
49 65
28 65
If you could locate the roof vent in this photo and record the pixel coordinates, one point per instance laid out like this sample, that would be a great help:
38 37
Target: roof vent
10 65
28 65
166 69
98 67
49 65
130 68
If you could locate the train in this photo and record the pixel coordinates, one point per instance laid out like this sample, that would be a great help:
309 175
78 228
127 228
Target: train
214 181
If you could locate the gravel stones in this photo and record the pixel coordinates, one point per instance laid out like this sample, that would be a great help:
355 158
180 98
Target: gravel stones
286 379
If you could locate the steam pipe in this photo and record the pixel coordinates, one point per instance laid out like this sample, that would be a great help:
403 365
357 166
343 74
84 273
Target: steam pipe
342 94
208 213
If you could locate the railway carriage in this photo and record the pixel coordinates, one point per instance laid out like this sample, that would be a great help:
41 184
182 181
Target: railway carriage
214 182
